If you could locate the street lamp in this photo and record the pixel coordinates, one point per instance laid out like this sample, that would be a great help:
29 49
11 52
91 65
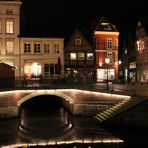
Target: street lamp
107 60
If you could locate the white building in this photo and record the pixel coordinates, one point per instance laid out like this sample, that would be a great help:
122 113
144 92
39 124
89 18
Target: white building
30 56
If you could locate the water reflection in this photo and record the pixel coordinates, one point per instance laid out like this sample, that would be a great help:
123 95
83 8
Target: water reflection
48 122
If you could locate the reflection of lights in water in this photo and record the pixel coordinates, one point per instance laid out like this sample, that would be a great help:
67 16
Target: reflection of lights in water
46 143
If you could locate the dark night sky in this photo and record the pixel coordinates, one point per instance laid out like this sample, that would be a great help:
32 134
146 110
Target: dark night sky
63 16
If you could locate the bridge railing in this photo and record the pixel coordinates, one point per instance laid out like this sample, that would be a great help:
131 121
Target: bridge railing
46 83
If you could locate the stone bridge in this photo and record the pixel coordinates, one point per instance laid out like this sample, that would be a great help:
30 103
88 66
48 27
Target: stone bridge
78 102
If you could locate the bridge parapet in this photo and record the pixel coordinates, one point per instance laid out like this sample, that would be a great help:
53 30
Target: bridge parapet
78 99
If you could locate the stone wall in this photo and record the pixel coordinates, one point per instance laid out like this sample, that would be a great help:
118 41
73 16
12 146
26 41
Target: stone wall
8 112
88 110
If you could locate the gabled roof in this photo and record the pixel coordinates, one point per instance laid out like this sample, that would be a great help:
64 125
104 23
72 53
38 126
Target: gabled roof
75 33
6 65
105 25
141 30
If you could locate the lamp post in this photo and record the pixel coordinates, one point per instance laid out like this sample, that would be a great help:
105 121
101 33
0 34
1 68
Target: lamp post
107 60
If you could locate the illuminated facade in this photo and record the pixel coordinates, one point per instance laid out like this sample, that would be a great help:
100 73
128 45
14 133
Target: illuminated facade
142 54
39 56
106 44
9 31
79 59
31 56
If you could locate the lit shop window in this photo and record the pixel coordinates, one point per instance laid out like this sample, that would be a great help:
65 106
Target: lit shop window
89 56
32 69
73 56
9 27
81 56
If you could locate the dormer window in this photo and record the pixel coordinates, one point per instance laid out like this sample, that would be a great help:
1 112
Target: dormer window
77 41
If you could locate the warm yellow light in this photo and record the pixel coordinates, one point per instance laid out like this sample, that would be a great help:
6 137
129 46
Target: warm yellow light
100 64
107 60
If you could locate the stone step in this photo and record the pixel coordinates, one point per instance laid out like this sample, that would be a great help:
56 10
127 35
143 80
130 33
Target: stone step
116 109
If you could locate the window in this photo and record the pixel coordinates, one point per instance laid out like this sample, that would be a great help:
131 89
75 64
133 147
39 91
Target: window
89 56
37 48
77 41
109 44
9 12
110 56
73 56
56 48
132 65
27 48
9 26
140 45
9 47
81 56
46 48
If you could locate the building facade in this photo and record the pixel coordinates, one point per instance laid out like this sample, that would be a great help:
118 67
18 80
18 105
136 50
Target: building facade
9 31
79 59
142 54
39 57
31 56
106 47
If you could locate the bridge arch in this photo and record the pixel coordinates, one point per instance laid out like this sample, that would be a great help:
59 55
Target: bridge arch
39 93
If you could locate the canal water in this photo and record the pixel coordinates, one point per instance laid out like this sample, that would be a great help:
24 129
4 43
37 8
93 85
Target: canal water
44 122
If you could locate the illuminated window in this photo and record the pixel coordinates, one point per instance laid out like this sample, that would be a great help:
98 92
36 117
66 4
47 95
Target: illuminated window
9 26
32 70
56 48
89 56
9 47
81 56
27 48
132 65
102 74
109 44
73 56
46 48
77 41
37 48
140 45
